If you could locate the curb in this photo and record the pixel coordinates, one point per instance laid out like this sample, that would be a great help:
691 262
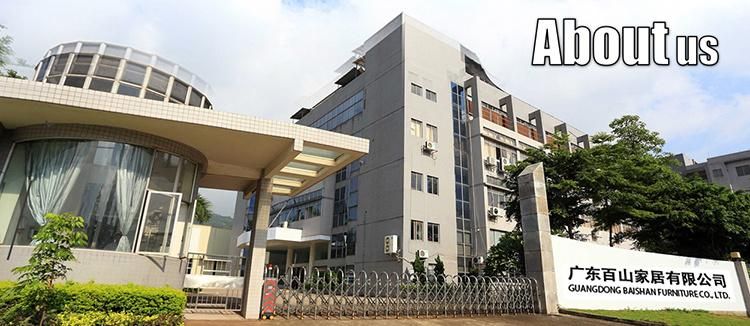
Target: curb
613 319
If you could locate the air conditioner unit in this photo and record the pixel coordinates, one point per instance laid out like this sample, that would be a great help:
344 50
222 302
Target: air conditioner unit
504 163
478 260
490 162
494 211
390 244
429 147
423 253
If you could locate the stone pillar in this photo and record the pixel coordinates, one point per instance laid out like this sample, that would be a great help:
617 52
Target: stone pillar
741 268
255 267
537 244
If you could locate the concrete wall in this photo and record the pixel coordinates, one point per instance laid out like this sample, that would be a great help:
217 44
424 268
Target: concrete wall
106 267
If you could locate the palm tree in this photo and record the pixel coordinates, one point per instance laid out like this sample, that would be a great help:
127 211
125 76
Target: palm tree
202 210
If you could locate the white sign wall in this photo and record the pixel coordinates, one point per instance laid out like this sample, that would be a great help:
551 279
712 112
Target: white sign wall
593 276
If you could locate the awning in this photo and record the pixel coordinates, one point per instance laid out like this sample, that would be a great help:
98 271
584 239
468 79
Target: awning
239 149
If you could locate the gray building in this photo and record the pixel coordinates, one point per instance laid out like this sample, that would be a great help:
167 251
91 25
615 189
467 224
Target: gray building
730 170
441 132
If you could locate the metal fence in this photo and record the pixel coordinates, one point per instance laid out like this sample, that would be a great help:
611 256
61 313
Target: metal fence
217 277
213 299
350 294
205 264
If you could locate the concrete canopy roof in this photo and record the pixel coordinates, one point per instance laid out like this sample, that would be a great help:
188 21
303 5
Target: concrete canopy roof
239 150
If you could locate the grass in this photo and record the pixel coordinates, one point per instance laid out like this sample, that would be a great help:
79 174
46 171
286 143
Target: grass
673 317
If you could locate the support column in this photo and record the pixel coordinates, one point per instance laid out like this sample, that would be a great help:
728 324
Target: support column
311 259
289 261
537 244
253 286
741 268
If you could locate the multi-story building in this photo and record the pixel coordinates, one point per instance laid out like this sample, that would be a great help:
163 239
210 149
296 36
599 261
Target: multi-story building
730 170
441 133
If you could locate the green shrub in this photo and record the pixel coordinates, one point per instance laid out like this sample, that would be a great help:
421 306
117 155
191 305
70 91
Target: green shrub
77 303
115 319
130 298
32 303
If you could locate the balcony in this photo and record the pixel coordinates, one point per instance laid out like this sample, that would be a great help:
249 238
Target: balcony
281 236
496 116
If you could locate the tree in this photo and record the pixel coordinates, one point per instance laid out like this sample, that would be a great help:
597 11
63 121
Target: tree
34 300
417 265
567 195
13 74
627 174
439 269
203 211
5 50
693 212
506 256
53 248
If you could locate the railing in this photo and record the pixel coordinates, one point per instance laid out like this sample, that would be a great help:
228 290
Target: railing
205 264
213 282
213 299
349 294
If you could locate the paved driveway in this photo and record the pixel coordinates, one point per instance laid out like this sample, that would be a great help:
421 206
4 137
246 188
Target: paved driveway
561 320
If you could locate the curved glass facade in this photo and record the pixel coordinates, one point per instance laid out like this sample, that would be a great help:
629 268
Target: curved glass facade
132 198
115 69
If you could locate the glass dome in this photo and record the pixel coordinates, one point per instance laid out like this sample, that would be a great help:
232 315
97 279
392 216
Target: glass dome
122 70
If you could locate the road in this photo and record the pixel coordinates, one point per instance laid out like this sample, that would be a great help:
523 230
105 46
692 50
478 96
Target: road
561 320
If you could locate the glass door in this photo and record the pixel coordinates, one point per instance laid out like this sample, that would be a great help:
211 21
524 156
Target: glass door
158 222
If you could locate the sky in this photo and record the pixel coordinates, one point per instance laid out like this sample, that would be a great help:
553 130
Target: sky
269 58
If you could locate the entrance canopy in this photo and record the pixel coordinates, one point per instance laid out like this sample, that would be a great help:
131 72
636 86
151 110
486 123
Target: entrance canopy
239 150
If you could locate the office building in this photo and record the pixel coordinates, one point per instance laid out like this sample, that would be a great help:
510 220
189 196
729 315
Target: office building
729 170
441 133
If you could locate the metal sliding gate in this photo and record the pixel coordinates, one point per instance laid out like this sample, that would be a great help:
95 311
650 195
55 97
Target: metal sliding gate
349 294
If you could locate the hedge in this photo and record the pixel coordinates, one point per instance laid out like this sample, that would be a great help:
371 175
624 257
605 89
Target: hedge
115 319
103 304
134 299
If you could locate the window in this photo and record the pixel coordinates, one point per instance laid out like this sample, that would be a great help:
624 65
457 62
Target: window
338 245
432 133
341 175
128 90
195 98
430 95
107 67
416 181
433 232
134 73
495 236
53 80
102 85
81 64
351 242
416 128
339 207
432 185
59 66
416 89
179 92
416 230
717 173
154 96
75 81
743 170
350 109
495 198
43 69
158 81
